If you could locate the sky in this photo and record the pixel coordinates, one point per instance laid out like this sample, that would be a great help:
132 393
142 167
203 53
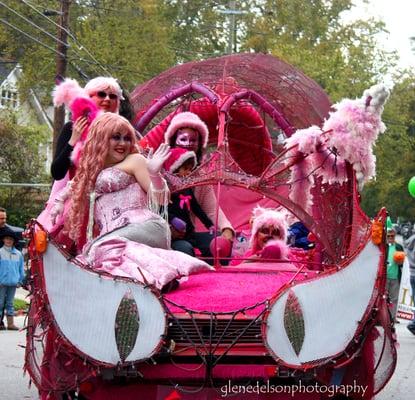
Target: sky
399 17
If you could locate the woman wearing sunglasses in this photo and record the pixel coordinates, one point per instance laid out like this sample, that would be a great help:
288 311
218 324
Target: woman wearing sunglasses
107 94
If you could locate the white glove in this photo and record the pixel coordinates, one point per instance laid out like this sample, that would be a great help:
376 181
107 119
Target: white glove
155 161
57 210
59 204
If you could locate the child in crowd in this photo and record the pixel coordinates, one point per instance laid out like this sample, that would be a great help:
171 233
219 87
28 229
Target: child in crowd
269 236
11 274
181 162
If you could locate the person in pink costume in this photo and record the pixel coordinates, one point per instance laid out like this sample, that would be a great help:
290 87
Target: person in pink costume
113 203
186 130
268 239
101 94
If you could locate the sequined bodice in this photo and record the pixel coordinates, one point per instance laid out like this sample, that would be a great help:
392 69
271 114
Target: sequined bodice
120 200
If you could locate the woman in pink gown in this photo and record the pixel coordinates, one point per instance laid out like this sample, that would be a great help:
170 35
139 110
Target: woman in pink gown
113 202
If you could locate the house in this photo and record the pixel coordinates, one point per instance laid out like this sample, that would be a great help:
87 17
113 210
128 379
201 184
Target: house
29 111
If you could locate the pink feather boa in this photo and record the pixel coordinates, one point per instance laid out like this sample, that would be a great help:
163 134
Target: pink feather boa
82 107
352 130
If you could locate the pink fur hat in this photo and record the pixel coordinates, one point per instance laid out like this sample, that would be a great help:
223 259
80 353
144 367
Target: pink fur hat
177 158
268 217
187 119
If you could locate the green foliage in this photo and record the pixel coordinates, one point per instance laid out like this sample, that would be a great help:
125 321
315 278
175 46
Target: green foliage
134 40
21 161
20 304
199 29
395 153
130 41
341 57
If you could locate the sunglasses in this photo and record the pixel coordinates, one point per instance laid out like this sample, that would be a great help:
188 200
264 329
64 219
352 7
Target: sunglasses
102 95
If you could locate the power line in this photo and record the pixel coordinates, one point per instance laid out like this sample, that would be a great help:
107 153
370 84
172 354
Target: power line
70 34
31 37
79 70
33 24
115 11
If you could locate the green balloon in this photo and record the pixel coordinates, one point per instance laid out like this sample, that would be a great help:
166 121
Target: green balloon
411 186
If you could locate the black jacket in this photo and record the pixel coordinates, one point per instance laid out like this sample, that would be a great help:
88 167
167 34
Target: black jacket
62 160
184 213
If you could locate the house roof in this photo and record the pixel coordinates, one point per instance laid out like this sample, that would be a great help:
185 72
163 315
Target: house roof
6 66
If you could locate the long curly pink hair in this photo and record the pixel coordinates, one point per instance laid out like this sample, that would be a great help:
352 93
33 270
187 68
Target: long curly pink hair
92 163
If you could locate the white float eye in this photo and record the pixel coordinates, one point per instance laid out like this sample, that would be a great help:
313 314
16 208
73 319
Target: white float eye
317 319
110 321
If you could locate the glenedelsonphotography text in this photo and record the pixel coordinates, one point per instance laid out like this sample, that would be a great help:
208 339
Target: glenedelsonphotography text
298 388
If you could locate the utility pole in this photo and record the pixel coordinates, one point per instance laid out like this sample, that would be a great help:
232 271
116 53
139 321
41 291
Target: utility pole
61 65
232 26
232 12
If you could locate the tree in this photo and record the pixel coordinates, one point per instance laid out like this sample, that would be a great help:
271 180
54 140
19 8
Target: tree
129 41
395 153
342 57
21 162
134 40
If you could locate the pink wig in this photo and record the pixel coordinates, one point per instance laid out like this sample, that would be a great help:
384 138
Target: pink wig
92 163
264 217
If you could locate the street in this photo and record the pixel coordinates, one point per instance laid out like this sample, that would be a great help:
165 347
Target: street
14 385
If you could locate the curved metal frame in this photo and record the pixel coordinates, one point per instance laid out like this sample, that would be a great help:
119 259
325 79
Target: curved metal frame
192 87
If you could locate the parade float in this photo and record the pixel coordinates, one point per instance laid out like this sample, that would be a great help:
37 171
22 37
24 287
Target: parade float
317 319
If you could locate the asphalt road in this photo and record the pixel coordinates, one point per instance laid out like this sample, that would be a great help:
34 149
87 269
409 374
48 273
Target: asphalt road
14 386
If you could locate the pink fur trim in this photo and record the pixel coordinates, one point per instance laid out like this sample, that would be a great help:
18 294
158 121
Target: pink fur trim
66 92
177 158
275 249
332 169
187 120
82 107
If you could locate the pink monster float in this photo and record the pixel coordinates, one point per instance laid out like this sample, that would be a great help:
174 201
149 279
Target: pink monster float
313 318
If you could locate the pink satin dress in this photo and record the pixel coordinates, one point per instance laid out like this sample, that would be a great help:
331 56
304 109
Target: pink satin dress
133 241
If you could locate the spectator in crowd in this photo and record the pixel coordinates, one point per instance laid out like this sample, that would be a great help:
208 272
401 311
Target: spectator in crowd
3 220
11 274
394 270
410 253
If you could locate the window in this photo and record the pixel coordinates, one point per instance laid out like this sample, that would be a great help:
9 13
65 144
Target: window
8 98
